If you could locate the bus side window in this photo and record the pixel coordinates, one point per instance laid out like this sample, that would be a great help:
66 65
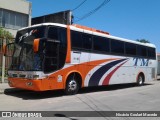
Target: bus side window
56 49
87 42
76 40
141 51
51 51
101 44
117 46
151 53
51 46
53 33
130 48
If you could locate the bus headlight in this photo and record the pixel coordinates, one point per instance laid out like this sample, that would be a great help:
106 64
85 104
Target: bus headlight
33 76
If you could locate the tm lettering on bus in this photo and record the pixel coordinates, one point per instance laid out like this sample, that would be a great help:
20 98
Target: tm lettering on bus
141 62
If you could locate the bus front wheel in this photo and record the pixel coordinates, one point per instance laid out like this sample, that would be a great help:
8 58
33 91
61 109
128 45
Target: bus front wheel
72 86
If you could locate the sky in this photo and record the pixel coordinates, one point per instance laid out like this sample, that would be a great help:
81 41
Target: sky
131 19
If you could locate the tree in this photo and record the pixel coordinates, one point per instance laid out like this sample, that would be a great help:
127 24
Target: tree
143 40
5 34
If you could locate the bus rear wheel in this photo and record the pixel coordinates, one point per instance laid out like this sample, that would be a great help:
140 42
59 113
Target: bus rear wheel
140 80
72 86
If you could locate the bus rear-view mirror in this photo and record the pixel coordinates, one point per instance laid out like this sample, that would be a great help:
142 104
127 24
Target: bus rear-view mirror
36 43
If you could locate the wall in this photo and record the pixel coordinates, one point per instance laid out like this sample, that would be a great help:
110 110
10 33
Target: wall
20 6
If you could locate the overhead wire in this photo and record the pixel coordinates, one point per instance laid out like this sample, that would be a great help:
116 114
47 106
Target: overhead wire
79 5
94 10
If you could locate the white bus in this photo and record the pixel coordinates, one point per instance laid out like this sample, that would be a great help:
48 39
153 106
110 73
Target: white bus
53 56
158 65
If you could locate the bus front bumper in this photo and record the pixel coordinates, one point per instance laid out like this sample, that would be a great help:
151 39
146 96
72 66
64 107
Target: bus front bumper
34 85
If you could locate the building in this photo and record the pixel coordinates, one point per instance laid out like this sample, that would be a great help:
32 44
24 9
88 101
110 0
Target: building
15 14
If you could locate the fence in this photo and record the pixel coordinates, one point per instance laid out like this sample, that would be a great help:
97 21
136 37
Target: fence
4 61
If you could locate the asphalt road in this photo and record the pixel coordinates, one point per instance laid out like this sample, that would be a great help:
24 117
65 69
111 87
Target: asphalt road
128 97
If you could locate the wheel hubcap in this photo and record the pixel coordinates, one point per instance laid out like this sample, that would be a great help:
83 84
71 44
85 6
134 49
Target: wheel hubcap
140 80
72 86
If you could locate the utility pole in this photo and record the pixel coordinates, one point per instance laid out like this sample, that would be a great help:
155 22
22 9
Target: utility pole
3 63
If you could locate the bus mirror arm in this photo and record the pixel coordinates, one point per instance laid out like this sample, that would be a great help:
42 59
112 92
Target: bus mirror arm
4 50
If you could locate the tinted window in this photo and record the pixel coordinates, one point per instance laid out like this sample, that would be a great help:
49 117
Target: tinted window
87 41
151 53
76 40
117 46
101 44
141 51
58 35
36 32
130 49
56 49
53 33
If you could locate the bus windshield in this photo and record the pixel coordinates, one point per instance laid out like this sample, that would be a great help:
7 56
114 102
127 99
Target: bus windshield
50 57
24 58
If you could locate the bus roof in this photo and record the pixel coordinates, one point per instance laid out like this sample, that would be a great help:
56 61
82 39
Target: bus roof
91 30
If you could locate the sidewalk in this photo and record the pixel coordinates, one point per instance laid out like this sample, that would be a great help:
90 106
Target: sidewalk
4 88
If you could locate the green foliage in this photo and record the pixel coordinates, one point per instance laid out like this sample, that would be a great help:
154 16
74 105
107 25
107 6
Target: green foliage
5 34
143 40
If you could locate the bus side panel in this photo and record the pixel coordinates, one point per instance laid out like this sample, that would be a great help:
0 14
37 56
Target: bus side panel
114 70
58 79
119 70
97 74
125 74
130 71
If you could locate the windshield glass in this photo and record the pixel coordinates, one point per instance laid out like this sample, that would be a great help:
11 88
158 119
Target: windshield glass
24 58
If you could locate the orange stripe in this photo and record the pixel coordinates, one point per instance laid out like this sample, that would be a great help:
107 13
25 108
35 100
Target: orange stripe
50 83
90 29
83 69
68 57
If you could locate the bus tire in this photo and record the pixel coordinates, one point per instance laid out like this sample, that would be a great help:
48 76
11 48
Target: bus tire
72 85
140 80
